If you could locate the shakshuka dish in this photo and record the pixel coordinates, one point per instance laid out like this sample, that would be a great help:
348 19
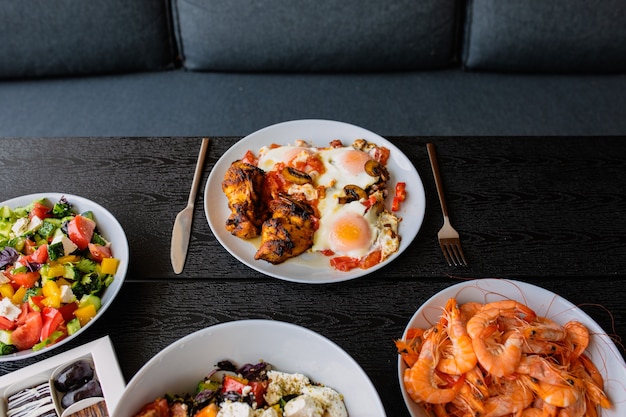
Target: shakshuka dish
300 198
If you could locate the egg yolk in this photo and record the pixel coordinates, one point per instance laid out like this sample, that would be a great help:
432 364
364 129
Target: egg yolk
353 161
349 232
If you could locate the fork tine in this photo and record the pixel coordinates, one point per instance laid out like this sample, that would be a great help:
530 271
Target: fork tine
457 253
444 249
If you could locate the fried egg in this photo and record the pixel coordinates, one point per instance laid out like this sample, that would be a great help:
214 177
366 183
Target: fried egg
289 155
347 230
345 166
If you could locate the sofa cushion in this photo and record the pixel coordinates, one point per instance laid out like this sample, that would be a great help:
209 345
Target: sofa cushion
61 37
538 35
323 35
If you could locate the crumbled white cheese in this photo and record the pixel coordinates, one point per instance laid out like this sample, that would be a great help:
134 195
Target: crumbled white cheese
67 295
35 223
19 227
68 245
303 406
282 384
235 409
331 400
9 310
267 412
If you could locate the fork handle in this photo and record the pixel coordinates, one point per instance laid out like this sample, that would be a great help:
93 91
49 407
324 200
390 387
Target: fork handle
432 155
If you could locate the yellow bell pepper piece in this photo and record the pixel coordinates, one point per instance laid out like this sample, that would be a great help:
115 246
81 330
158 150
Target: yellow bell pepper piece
18 297
52 292
55 271
68 259
208 411
6 290
85 314
109 265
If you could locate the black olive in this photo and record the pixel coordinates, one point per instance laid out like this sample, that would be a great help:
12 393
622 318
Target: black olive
73 376
90 389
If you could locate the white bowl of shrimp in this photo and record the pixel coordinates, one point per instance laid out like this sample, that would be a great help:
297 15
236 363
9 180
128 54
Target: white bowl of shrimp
494 347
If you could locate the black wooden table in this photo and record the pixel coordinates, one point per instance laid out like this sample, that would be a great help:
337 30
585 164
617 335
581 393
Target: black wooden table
548 211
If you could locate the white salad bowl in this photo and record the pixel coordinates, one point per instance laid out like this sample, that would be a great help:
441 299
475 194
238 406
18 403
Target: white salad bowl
286 347
110 229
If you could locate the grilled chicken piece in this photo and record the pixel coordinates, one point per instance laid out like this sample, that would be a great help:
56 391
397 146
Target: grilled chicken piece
242 185
289 231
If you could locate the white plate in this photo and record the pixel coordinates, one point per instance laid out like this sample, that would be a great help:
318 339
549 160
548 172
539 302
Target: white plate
110 229
601 350
287 347
308 267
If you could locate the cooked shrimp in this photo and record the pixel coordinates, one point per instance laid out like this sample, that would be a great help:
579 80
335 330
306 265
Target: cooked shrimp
469 309
542 369
559 395
532 412
543 328
409 348
460 357
577 336
493 311
499 357
593 391
420 381
513 398
577 409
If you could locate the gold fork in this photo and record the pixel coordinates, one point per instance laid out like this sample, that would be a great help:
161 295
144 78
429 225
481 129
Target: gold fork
449 239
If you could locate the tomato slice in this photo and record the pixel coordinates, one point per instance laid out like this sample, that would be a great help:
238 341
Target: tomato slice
6 324
67 311
52 319
233 384
40 255
80 230
371 259
157 408
258 389
40 210
99 252
344 263
25 279
26 335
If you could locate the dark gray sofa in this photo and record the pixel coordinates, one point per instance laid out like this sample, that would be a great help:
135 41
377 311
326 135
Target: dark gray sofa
397 67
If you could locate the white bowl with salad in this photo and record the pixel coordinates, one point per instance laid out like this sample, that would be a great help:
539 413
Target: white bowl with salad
294 354
63 259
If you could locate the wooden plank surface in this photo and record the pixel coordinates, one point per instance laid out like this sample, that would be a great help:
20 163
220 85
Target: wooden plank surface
548 211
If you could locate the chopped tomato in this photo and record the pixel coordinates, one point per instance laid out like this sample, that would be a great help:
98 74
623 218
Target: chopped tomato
67 311
6 324
273 185
29 247
233 384
344 263
371 259
24 279
327 252
99 252
26 335
250 158
399 196
382 155
258 389
52 319
37 300
80 230
40 255
40 210
157 408
370 201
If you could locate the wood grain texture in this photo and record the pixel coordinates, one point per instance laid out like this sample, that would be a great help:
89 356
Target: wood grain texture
548 211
